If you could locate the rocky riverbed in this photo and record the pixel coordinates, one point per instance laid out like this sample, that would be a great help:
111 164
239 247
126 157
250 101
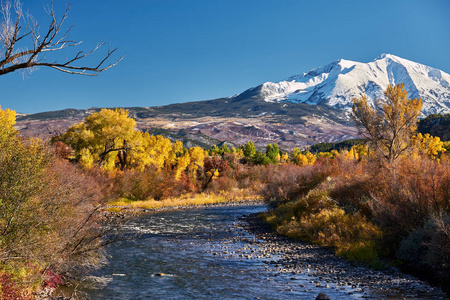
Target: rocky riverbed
215 253
326 271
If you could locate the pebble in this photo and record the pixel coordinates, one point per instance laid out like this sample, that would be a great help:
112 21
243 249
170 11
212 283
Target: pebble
295 257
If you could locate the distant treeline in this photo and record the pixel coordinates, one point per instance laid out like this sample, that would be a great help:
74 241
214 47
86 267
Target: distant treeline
436 125
344 145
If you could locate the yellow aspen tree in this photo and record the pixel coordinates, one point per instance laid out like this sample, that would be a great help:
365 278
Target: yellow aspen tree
159 149
137 157
304 159
197 158
85 158
109 135
390 125
176 151
7 122
429 145
182 163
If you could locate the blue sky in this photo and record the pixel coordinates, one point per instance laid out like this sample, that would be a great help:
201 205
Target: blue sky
188 50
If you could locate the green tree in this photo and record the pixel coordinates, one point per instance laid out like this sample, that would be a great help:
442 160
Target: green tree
273 152
390 125
249 150
261 158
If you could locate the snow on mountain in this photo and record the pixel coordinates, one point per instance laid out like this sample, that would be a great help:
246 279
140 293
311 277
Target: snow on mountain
338 83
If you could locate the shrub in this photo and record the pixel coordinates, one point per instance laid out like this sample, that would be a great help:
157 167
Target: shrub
151 183
290 182
352 184
406 195
224 183
318 220
50 215
428 248
11 289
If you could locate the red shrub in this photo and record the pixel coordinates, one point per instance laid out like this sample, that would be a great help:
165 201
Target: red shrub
10 290
51 279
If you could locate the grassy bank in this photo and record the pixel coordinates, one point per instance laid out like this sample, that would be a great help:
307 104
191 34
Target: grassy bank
187 200
373 214
318 219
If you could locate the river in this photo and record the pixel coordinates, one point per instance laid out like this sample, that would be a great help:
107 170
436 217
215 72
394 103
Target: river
201 254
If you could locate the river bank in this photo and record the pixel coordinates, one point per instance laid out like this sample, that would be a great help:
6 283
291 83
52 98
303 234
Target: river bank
168 205
327 271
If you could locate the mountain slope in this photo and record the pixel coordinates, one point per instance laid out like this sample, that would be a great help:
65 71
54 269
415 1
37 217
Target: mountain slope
305 109
236 120
338 83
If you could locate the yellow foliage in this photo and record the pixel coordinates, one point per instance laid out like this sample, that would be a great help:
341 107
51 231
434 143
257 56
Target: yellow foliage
304 159
178 148
429 145
85 158
197 157
7 122
182 163
357 152
156 151
108 135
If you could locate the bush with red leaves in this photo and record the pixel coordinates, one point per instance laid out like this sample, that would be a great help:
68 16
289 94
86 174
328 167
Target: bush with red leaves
10 290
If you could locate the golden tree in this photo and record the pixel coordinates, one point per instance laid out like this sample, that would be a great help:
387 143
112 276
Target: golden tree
429 145
390 125
106 137
7 122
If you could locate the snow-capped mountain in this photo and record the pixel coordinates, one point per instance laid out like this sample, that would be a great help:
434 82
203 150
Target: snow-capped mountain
338 83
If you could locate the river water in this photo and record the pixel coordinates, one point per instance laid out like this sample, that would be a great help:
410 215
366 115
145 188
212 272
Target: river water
197 254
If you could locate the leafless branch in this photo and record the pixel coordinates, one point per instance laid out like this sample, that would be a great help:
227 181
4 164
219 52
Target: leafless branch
15 27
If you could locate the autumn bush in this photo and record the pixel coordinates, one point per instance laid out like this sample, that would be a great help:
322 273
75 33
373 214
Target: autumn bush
404 196
317 218
368 211
428 248
223 183
51 215
352 182
289 182
151 183
11 288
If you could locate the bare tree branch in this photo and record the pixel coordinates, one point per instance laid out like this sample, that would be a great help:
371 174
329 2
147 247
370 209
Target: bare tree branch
15 27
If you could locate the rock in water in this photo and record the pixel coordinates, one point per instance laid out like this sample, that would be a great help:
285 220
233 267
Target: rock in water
322 296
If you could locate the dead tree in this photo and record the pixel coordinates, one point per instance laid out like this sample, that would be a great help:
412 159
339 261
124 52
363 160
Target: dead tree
22 47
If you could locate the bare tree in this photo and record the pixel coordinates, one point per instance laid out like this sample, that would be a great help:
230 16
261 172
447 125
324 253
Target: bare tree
19 32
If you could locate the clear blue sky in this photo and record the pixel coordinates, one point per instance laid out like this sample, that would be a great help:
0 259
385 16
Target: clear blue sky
188 50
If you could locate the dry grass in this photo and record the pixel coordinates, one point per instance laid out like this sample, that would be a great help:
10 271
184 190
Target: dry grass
188 200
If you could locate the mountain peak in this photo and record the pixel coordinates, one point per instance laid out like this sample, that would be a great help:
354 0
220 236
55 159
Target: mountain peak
387 56
337 83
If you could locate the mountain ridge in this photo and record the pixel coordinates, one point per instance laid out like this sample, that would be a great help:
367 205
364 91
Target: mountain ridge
337 83
276 112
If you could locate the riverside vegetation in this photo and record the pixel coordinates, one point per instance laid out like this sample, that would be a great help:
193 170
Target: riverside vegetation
384 199
384 202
